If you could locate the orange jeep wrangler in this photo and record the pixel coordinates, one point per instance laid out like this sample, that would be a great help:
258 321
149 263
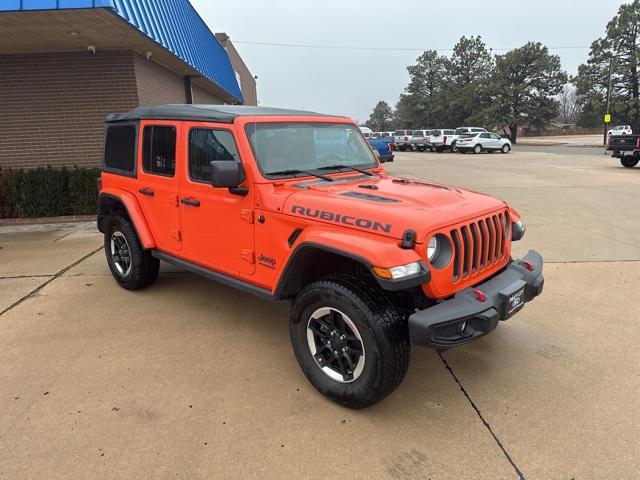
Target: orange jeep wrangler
294 206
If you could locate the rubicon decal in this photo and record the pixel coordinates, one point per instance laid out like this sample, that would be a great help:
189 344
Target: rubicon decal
343 219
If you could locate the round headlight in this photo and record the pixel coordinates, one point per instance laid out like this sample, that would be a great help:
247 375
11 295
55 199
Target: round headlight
439 251
432 248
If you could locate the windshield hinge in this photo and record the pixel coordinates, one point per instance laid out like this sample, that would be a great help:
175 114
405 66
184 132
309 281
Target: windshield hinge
249 256
247 215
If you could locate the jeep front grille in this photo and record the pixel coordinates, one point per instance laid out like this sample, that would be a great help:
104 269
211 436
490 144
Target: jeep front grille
479 244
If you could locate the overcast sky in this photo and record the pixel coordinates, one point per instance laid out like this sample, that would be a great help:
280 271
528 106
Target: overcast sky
351 82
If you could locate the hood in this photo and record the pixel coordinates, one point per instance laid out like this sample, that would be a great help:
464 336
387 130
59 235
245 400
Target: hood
386 205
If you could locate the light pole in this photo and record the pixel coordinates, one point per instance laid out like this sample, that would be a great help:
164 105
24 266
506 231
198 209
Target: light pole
607 113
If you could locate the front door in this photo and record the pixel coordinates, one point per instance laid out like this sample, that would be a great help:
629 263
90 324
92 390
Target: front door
217 225
496 141
158 184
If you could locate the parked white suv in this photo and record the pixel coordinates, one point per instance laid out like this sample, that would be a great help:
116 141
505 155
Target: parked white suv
621 130
482 142
403 139
461 131
441 139
366 131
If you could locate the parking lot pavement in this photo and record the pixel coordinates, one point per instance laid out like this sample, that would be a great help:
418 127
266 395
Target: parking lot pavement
191 379
572 140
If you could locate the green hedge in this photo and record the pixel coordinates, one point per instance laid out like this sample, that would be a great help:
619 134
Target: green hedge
48 192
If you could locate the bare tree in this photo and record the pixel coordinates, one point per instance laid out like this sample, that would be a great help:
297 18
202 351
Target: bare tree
569 109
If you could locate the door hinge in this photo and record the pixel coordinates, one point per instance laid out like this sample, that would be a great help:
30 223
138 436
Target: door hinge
176 235
173 200
249 256
247 215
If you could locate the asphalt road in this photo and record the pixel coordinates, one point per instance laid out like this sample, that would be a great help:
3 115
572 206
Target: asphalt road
190 379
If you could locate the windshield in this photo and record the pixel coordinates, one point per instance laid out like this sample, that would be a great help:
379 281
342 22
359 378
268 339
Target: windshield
281 147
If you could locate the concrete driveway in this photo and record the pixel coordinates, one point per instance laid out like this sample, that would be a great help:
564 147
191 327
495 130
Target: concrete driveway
190 379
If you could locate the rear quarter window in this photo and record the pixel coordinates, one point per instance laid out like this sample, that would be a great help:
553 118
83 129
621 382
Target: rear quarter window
120 149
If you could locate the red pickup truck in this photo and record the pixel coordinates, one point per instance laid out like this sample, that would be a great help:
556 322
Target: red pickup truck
626 148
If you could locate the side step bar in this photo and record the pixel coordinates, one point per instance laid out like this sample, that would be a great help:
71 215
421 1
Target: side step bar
213 275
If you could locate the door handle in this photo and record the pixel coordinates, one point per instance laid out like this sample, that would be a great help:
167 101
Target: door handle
191 202
147 191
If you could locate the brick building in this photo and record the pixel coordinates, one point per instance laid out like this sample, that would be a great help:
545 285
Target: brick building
66 64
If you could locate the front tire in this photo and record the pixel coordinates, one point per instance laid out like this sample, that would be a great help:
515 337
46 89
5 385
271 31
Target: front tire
131 265
505 148
350 341
629 161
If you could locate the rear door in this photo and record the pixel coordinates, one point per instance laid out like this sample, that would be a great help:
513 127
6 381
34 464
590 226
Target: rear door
158 184
217 225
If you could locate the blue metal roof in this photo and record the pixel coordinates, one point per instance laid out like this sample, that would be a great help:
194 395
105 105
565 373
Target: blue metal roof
174 24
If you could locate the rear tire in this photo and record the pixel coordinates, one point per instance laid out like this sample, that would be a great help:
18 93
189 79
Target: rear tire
131 265
477 149
454 148
629 161
343 312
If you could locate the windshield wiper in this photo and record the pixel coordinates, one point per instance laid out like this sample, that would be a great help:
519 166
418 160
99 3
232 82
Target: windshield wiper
298 172
340 167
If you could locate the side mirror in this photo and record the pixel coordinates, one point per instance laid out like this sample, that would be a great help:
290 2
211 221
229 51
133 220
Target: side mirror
228 174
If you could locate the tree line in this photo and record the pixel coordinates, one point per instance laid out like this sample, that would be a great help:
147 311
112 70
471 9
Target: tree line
524 87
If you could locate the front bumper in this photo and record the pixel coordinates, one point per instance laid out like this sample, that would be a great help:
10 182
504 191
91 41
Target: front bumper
467 317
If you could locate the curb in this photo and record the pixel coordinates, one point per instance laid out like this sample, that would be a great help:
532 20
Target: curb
10 222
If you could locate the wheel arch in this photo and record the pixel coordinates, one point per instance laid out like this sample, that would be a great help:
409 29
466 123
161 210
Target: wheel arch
311 261
114 202
313 258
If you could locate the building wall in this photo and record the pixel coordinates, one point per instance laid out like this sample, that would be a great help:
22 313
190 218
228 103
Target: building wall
204 97
52 106
245 77
157 84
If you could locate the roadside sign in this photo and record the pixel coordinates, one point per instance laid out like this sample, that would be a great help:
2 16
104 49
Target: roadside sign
607 118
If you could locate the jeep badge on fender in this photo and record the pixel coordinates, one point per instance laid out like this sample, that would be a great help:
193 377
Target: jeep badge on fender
370 263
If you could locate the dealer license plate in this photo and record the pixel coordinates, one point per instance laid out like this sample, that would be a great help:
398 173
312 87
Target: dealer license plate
512 299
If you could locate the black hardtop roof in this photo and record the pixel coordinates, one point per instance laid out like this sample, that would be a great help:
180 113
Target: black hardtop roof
206 113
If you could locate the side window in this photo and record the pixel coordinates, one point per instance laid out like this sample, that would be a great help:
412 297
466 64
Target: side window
495 137
159 150
485 135
120 149
206 146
